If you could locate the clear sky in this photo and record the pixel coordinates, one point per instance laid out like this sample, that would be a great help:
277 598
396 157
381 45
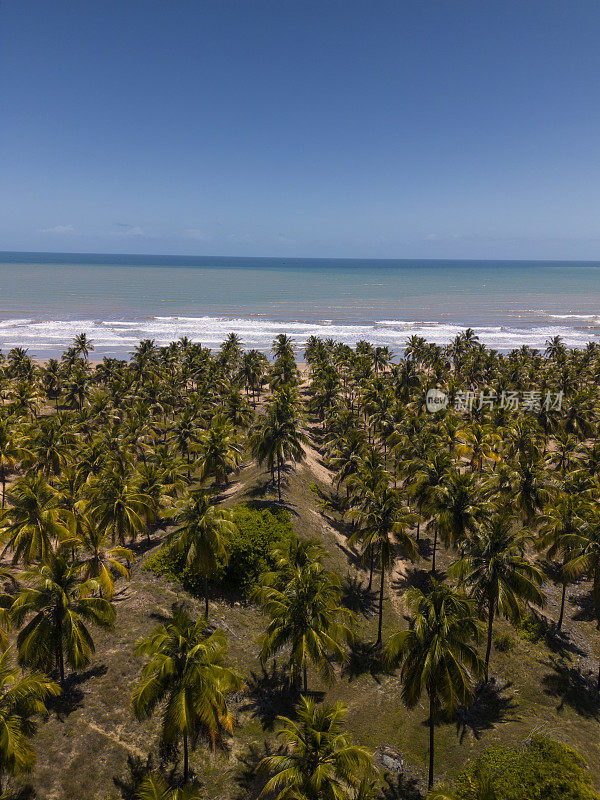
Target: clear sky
412 128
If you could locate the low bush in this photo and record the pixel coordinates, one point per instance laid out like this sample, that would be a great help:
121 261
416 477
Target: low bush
504 642
541 769
259 532
530 628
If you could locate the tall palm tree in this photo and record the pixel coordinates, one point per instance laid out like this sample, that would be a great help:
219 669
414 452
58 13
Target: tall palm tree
384 523
564 519
497 574
11 450
202 533
61 606
33 523
116 504
187 673
219 452
99 561
82 346
276 437
22 696
585 548
437 653
319 761
302 599
429 476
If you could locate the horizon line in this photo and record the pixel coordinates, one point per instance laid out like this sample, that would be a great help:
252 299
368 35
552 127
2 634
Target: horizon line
295 258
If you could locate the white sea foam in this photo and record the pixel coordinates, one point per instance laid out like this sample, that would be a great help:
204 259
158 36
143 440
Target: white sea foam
119 336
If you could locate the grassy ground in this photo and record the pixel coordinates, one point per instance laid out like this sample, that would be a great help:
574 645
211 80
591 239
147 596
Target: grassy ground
84 745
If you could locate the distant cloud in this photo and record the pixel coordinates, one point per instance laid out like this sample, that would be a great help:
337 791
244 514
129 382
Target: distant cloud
57 229
431 236
128 230
195 233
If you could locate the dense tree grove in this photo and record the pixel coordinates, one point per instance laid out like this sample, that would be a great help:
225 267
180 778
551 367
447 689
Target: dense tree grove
498 485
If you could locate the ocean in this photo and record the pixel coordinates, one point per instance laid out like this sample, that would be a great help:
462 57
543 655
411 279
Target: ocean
48 298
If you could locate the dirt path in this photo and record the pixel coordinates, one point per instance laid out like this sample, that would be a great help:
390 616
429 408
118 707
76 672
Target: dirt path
314 466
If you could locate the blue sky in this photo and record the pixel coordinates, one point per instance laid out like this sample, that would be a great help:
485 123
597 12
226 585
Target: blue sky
414 128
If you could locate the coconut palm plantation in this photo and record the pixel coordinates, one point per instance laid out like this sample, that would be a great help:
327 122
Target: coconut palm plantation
229 575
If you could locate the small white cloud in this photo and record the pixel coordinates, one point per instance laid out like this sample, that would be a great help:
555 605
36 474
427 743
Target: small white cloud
128 230
431 236
195 233
58 229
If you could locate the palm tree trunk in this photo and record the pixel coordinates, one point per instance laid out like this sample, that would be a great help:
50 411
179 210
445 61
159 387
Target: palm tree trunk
279 477
381 587
431 742
3 484
186 767
304 679
371 572
562 607
435 538
488 648
206 597
60 658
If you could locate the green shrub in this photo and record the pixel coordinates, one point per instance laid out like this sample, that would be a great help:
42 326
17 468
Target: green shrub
504 642
259 531
530 628
542 769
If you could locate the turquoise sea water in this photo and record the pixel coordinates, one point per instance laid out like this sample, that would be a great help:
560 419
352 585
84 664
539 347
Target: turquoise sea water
45 299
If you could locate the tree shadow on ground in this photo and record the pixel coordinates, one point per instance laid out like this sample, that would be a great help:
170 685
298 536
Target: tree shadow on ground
425 547
269 694
584 605
249 781
413 578
364 658
401 787
560 642
259 502
26 792
138 768
491 706
357 596
575 688
71 697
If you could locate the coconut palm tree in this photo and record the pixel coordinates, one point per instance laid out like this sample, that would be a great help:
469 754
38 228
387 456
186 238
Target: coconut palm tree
585 561
302 599
428 479
497 574
82 346
202 533
59 602
319 762
34 522
11 450
383 529
219 452
565 517
276 437
98 560
116 504
187 675
155 787
22 696
437 653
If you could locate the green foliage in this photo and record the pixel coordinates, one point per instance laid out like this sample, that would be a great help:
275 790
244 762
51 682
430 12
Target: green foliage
250 547
504 642
542 769
530 628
